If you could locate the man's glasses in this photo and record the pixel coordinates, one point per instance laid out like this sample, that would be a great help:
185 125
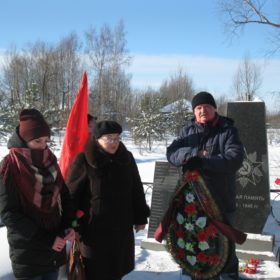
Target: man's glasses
111 140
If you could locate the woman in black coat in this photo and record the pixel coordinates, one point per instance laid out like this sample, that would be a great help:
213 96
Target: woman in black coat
105 184
35 204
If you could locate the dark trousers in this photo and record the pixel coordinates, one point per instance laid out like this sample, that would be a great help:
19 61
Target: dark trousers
92 273
231 269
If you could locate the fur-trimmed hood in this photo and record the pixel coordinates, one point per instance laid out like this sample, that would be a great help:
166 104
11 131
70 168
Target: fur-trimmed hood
15 141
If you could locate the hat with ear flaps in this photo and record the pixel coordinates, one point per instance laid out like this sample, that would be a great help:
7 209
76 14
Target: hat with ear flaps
106 127
32 125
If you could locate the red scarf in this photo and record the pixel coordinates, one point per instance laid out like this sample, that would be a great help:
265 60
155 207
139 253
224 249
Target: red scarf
38 180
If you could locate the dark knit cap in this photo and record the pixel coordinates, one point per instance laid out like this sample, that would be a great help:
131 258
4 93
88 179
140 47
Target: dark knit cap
32 125
106 127
203 97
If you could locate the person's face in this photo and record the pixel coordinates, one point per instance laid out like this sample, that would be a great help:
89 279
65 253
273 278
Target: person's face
109 142
38 143
204 113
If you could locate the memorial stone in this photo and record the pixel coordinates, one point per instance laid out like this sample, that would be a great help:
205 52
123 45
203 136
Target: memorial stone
166 179
253 191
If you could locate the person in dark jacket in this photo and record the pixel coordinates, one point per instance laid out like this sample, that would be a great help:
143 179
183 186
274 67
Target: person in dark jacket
210 143
105 184
35 204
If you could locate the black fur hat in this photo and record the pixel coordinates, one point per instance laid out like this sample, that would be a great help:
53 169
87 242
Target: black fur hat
106 127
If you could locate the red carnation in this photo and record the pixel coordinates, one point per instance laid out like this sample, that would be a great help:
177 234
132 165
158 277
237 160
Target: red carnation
250 270
80 213
190 208
211 230
201 257
254 261
201 236
192 176
181 254
277 181
180 233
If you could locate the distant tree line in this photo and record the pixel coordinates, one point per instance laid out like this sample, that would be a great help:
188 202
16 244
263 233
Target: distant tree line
47 77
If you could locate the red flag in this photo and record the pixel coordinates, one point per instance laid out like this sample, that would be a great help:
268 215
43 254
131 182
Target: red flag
76 132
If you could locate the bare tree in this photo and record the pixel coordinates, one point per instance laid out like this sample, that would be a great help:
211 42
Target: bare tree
39 74
120 81
221 102
47 76
178 86
68 69
247 79
97 48
13 75
108 56
239 13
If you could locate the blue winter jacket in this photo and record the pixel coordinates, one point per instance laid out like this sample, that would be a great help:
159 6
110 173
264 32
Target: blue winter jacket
225 156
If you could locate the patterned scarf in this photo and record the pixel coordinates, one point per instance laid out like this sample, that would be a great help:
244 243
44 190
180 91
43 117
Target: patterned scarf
38 180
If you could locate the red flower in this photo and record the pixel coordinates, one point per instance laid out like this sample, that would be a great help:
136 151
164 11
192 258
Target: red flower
201 236
192 176
80 213
181 254
254 261
211 230
277 181
250 270
190 209
180 233
201 257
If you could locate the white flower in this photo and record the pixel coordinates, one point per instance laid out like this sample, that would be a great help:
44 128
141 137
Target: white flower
189 226
203 245
201 222
189 197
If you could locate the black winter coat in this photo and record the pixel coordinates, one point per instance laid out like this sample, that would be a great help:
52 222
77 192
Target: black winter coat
30 246
225 157
108 189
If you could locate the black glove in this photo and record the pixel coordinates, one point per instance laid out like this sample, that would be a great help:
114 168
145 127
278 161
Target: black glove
193 163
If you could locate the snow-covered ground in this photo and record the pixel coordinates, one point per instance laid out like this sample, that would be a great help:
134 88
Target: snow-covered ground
158 265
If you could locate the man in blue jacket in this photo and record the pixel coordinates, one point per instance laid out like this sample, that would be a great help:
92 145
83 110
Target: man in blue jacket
210 143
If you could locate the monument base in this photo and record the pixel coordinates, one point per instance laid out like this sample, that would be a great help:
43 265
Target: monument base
152 244
257 246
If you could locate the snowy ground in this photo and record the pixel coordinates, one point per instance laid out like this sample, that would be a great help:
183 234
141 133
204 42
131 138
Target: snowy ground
158 265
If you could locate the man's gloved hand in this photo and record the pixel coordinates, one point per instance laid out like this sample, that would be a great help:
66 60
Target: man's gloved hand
193 163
